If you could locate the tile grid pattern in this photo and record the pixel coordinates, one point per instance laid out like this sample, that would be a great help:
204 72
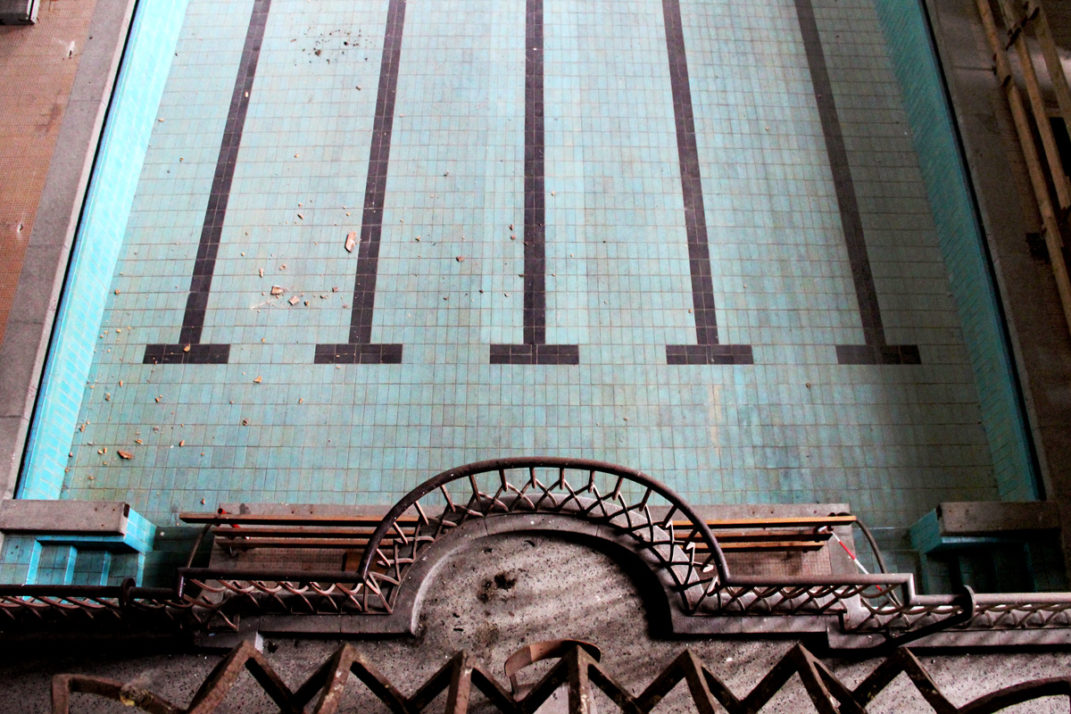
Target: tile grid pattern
708 350
534 349
190 349
876 350
273 426
359 349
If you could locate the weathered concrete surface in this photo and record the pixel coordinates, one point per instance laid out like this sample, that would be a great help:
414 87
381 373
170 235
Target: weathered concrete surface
980 517
35 516
52 204
1038 334
508 592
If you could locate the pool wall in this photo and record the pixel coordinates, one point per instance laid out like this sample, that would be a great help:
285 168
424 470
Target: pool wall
146 62
961 242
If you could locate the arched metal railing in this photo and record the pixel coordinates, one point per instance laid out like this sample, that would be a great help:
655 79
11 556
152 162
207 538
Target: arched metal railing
659 523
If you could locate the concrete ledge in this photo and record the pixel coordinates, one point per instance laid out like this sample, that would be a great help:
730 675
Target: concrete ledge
27 335
963 518
28 516
961 523
992 546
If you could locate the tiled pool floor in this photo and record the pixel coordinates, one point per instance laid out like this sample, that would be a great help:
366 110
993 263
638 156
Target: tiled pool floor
672 235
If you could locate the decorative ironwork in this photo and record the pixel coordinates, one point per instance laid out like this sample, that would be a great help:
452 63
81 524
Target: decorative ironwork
578 669
659 522
600 501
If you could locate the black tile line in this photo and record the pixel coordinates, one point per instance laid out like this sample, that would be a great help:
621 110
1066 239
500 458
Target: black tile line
534 350
707 349
189 349
876 350
360 349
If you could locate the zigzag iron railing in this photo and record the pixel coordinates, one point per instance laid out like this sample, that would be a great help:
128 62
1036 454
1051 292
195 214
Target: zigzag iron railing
658 524
465 681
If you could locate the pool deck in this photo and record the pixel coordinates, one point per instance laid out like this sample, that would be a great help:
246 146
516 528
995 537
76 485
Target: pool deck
491 235
33 276
49 52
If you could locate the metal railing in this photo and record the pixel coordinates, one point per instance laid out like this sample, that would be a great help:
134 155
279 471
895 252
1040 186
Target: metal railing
577 668
659 528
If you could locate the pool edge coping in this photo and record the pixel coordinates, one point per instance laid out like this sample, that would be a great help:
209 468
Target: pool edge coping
29 329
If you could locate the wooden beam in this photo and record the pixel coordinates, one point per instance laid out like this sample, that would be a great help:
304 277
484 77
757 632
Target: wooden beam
1015 25
1050 225
293 519
1039 25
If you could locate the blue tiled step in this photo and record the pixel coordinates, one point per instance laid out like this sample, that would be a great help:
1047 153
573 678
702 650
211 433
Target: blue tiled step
73 542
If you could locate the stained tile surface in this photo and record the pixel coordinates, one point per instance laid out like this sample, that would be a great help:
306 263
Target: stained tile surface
781 419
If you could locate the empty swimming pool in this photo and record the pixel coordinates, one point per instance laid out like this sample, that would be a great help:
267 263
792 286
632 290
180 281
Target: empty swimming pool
329 251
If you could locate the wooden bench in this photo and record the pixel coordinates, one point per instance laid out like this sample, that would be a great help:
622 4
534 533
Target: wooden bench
773 533
242 531
235 533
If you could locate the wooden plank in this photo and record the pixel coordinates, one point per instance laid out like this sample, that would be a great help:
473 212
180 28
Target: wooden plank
361 544
372 521
265 536
249 531
342 521
291 531
1039 25
727 536
289 518
781 522
1015 25
1051 229
319 543
774 545
748 536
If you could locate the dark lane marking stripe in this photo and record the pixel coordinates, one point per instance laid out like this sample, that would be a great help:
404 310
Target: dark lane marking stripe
535 209
876 350
534 350
189 350
707 350
360 349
